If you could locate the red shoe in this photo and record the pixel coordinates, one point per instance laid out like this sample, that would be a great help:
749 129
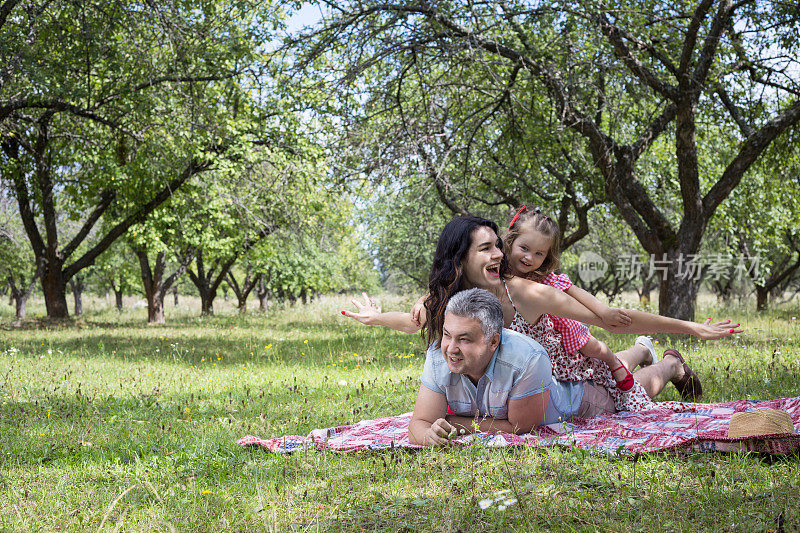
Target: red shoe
625 384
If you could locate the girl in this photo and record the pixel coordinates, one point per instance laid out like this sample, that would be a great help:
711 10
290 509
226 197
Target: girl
532 245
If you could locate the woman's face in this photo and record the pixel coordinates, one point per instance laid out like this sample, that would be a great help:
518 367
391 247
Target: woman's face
482 263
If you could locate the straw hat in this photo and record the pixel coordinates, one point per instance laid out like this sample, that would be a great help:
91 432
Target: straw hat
759 422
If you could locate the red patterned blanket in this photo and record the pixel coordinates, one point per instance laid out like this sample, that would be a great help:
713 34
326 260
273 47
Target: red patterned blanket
704 428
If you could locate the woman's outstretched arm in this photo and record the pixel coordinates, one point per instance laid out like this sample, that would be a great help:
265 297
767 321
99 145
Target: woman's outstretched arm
534 299
370 313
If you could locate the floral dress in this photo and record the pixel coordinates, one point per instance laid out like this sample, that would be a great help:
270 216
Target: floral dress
576 366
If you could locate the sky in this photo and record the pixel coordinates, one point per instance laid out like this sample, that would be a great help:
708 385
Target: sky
308 15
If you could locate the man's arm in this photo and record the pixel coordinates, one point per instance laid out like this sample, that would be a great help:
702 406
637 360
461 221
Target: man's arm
428 425
523 415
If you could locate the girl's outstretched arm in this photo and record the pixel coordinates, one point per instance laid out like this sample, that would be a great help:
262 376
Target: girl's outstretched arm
612 316
369 313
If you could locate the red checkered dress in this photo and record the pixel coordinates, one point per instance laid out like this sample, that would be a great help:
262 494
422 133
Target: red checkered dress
574 366
574 335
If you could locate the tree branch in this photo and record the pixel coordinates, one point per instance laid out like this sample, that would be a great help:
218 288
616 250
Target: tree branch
634 65
106 197
748 153
139 215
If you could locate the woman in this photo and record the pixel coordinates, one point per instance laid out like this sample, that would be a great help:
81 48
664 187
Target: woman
469 254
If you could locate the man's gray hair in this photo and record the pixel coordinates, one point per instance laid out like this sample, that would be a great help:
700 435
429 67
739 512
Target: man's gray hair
481 305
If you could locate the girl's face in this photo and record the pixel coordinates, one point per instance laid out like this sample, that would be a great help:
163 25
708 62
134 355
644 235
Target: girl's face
482 263
528 252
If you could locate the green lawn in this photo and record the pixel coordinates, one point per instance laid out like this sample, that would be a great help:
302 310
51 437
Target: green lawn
108 423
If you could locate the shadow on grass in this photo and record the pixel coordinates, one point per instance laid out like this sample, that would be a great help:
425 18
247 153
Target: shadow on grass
191 350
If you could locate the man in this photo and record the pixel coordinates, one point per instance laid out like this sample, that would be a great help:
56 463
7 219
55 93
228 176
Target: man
492 379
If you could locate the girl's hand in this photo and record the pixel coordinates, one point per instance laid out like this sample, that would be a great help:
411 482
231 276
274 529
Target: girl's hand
416 311
367 312
708 331
615 317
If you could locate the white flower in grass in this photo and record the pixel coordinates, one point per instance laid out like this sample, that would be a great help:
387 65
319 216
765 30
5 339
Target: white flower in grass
485 504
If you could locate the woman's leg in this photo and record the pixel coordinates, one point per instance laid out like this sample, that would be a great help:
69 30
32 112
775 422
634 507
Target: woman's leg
655 377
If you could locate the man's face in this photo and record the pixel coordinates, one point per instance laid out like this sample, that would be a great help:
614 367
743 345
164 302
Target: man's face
464 346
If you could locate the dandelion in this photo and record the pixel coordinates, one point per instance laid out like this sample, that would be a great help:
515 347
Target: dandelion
305 341
268 346
206 491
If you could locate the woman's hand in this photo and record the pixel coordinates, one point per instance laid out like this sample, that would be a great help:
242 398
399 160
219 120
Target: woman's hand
367 312
615 317
708 331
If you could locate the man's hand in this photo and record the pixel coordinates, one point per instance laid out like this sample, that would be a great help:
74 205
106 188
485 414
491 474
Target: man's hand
366 312
708 331
439 433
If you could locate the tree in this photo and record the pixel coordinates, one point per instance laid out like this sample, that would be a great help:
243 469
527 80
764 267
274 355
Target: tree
116 269
82 115
766 238
620 77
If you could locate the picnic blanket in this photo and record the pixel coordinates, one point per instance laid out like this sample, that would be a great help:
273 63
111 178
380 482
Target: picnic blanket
703 427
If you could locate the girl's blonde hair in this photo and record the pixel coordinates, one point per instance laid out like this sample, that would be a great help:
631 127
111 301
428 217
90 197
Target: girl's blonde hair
535 220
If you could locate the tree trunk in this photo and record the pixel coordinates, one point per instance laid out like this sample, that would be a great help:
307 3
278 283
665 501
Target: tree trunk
261 291
19 295
175 296
21 302
118 299
155 308
678 291
644 293
155 285
207 302
55 292
762 297
77 285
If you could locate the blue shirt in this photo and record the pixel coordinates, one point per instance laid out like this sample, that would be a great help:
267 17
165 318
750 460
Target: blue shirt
519 368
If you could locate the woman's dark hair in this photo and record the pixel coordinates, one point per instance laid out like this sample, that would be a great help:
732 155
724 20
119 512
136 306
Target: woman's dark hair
446 277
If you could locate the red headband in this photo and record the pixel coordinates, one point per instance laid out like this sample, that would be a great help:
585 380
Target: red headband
522 209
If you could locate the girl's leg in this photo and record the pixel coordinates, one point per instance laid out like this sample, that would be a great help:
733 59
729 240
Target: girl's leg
656 376
631 358
636 355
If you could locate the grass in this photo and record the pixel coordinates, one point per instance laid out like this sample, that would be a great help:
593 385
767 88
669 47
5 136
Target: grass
108 424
